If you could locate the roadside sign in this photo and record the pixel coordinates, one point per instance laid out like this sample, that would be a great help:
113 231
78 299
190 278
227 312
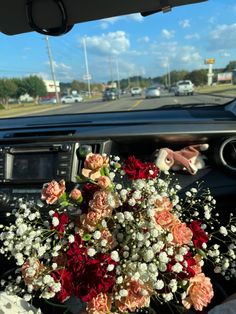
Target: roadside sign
210 61
226 76
87 77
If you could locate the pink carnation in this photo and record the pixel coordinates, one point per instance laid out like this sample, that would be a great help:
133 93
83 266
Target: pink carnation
181 233
199 292
52 191
100 304
100 203
93 164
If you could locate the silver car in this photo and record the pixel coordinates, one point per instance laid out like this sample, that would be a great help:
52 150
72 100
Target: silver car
152 92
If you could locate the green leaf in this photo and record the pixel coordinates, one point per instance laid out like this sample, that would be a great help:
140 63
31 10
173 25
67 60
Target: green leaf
64 204
63 197
81 178
102 171
201 253
80 200
106 171
87 237
117 165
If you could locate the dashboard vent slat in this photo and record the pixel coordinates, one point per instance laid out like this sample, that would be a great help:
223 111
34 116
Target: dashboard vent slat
35 133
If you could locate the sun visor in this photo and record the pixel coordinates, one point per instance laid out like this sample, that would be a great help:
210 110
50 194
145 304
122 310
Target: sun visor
58 16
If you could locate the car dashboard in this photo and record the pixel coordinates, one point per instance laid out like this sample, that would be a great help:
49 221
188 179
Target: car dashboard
35 150
138 133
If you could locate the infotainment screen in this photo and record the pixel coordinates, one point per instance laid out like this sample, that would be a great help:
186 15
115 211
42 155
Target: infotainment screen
31 166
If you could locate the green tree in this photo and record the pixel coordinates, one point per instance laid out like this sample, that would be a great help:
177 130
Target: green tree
21 90
198 77
34 86
75 85
177 76
7 89
231 66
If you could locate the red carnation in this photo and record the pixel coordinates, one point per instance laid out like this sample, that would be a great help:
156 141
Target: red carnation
187 271
199 235
63 221
88 192
96 278
90 274
135 169
66 280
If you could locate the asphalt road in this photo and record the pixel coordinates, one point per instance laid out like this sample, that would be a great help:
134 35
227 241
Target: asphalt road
128 103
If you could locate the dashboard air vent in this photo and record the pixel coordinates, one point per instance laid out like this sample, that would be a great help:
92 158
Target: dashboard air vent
38 133
228 153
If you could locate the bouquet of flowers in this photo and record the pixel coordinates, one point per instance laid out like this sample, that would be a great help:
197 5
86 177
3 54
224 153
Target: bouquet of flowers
121 237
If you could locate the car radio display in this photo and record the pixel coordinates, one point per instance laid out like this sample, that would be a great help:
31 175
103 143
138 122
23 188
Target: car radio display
36 166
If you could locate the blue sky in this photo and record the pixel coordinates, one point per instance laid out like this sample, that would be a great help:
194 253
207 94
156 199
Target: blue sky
134 45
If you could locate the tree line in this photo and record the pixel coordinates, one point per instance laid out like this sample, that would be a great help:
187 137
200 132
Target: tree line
35 87
198 77
15 87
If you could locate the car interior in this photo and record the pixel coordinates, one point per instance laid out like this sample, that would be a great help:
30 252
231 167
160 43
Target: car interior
37 148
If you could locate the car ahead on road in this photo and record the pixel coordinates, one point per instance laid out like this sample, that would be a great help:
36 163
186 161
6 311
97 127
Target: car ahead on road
184 88
136 91
110 94
45 101
152 92
71 99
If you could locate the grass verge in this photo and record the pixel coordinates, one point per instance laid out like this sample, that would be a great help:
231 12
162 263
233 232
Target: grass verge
224 90
9 111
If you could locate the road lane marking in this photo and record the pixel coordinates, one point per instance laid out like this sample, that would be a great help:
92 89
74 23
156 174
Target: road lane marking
94 108
135 104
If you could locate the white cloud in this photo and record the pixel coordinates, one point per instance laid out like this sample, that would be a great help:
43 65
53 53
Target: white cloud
185 23
224 54
212 20
105 23
179 56
167 34
43 75
137 53
223 37
135 17
108 44
63 71
144 39
192 36
62 66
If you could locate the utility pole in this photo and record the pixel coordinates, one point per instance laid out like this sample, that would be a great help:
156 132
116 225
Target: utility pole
87 76
52 69
168 69
111 70
118 74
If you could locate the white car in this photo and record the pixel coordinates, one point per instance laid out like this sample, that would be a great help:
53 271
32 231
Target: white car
152 92
136 91
184 87
71 99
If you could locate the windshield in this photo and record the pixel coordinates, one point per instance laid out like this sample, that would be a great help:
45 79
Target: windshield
189 54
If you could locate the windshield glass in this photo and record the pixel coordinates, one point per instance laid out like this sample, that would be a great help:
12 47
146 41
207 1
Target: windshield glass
189 54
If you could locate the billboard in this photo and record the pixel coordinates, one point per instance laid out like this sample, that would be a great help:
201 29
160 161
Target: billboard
50 86
226 76
210 61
